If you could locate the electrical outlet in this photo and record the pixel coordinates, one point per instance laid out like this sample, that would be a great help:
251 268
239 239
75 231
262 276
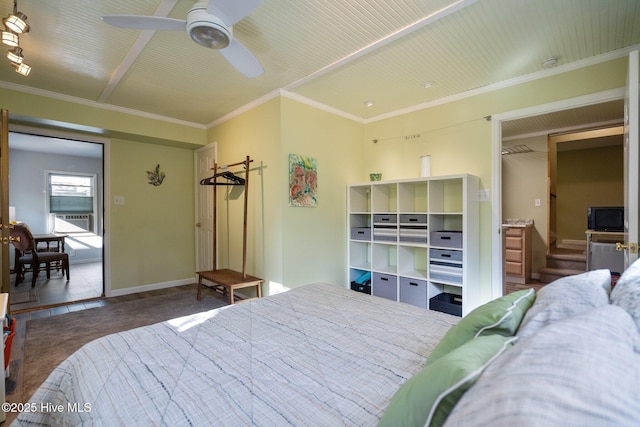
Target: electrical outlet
118 200
483 195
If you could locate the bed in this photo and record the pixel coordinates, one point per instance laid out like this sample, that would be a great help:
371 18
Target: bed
317 354
320 355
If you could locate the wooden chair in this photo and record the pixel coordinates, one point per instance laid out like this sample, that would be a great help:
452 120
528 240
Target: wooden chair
26 253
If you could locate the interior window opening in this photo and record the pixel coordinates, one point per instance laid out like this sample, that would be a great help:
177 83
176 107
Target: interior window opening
71 202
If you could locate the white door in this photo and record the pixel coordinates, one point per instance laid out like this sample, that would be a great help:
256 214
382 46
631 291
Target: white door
205 158
631 161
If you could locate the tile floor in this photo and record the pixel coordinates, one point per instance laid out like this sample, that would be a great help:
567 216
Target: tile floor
85 283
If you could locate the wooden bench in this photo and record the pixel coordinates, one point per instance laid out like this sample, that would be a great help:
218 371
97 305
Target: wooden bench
229 280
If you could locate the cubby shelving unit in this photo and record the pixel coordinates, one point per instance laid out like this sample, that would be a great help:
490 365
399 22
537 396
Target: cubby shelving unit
417 239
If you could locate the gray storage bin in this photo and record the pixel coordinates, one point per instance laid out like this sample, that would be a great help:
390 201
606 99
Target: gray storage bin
413 228
385 219
385 286
414 235
446 239
413 219
413 291
361 233
387 233
445 271
445 255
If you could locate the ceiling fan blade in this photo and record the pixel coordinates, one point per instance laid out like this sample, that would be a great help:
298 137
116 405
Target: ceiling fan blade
145 22
241 58
231 11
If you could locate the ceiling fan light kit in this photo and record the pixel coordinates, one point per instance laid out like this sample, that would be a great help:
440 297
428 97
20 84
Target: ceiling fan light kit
207 30
208 23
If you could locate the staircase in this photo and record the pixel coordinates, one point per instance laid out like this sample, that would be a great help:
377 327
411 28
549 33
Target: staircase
563 263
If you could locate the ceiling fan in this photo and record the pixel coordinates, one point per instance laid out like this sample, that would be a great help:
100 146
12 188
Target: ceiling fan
208 23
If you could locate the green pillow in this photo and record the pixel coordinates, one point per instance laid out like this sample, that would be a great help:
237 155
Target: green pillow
501 316
429 396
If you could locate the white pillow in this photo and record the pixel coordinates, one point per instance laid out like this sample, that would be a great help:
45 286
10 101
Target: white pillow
626 293
581 371
564 298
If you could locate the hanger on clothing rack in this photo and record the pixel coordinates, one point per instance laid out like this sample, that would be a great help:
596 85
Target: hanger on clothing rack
230 176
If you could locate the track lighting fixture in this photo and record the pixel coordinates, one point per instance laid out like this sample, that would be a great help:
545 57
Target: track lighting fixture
15 24
23 69
15 55
10 39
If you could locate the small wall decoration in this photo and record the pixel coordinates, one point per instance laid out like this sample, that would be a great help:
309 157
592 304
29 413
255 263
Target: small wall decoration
155 177
303 184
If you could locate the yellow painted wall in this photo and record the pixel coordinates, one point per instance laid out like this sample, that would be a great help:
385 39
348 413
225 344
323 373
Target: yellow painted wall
455 134
458 138
152 235
590 177
255 133
524 179
61 114
314 238
289 246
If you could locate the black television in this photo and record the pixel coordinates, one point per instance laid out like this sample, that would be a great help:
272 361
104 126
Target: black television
605 218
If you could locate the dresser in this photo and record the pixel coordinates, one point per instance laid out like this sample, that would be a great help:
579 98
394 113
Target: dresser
517 245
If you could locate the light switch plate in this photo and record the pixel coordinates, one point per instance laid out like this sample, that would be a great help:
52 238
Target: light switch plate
118 200
483 195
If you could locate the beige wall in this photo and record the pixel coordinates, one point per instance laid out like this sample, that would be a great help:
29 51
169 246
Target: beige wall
524 179
589 177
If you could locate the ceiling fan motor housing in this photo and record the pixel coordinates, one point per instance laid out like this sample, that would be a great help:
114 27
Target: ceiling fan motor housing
207 30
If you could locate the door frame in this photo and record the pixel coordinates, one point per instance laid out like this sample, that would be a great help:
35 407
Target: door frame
497 268
631 156
4 203
106 187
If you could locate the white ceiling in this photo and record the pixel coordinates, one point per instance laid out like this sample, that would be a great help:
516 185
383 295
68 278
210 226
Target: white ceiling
336 53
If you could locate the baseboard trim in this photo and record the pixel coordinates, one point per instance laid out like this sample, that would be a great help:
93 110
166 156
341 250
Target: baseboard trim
151 287
84 261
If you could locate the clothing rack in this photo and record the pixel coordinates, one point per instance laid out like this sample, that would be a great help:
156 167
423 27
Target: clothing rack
228 279
236 181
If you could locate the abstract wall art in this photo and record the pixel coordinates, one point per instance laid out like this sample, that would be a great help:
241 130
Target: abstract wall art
303 181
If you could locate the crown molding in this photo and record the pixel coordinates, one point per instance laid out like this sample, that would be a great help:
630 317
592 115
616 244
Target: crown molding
576 65
323 107
94 104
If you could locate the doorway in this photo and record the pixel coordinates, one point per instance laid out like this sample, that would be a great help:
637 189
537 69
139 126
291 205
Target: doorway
599 109
204 160
56 187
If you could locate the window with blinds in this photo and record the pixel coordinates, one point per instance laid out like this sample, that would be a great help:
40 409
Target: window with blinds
71 193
